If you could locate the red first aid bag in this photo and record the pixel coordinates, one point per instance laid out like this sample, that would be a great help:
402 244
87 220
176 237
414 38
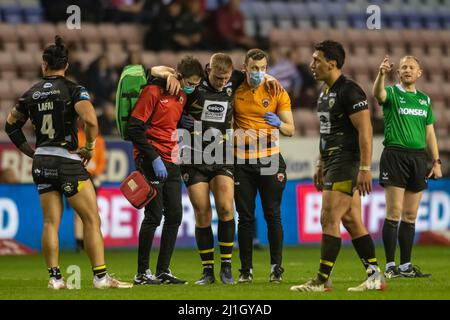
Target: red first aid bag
137 190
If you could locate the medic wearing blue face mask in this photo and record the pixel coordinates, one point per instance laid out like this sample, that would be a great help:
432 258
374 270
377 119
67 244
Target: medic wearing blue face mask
258 110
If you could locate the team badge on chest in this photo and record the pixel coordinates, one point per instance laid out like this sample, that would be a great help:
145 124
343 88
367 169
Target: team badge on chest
331 102
265 102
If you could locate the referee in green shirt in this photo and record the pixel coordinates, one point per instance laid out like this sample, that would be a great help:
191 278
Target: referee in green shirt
408 132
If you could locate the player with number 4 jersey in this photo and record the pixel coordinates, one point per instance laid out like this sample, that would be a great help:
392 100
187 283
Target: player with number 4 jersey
53 106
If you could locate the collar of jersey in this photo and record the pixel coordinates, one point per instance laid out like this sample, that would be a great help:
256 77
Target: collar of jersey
400 87
328 89
52 77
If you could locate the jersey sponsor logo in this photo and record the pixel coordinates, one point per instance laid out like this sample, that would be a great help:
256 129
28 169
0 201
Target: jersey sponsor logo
325 124
215 108
331 102
360 105
412 112
38 95
265 102
423 102
214 111
50 173
43 186
47 85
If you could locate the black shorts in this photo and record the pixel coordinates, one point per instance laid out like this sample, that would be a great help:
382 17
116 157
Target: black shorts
53 173
404 168
195 173
340 175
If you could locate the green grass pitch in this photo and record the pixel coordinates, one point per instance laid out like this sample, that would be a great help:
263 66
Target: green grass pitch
25 277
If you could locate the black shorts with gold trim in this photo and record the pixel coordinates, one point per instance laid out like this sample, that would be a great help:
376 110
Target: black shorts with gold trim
54 173
339 175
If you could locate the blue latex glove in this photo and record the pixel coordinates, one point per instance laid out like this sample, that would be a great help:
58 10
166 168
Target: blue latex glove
187 122
272 119
159 168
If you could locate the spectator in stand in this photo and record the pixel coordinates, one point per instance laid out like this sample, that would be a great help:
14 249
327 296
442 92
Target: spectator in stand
165 26
74 71
107 120
133 57
229 27
188 35
308 90
285 71
178 27
135 11
101 78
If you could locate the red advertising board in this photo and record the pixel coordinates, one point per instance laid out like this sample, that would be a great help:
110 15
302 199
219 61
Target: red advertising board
120 220
309 204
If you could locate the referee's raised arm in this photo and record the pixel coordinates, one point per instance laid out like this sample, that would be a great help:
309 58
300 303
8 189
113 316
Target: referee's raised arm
378 89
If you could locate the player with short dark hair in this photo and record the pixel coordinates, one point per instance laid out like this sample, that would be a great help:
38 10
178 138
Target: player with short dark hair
53 105
344 167
259 116
408 132
152 129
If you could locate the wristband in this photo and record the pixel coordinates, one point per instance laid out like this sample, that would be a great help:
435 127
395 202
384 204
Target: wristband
438 161
364 168
90 145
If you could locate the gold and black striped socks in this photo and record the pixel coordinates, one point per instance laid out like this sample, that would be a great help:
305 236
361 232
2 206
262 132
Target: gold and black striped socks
99 271
330 248
365 248
205 245
54 272
226 231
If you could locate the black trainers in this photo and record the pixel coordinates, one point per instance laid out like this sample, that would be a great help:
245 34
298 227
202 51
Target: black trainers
207 277
246 276
414 272
225 274
275 276
146 279
392 272
169 278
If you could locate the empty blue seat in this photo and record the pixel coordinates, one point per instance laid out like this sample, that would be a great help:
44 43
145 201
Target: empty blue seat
11 11
33 15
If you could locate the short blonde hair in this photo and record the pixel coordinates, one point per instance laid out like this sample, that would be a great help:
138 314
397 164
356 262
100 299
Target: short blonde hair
221 62
410 57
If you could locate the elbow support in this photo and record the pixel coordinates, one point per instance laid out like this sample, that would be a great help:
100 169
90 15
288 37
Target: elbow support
15 133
